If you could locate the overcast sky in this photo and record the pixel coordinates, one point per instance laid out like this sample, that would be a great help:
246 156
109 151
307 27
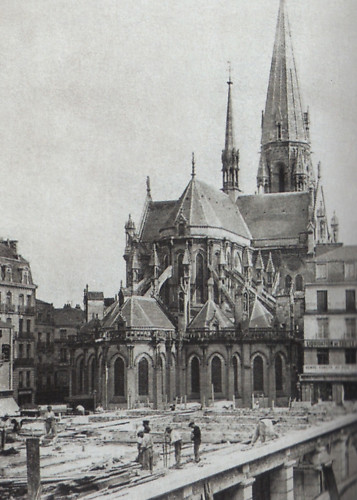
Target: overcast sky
98 94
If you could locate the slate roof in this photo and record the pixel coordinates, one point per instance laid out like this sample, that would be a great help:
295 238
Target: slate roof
275 216
206 207
138 312
156 216
68 316
344 254
210 312
260 316
95 295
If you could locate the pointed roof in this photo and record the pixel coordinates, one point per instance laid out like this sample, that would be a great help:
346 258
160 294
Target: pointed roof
210 313
259 263
270 265
229 139
207 211
283 104
260 317
138 312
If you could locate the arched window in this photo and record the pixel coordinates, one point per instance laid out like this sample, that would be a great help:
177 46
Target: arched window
282 179
119 377
288 282
162 373
180 270
195 375
278 373
216 374
245 302
216 259
199 279
165 293
299 284
143 377
229 259
279 131
258 375
81 377
235 374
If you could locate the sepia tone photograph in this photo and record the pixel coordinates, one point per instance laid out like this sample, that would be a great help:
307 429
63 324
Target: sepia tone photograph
178 250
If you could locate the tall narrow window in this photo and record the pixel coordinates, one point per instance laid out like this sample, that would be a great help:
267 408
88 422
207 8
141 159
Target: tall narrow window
143 377
119 373
322 328
350 300
235 374
278 373
181 302
180 270
350 356
322 356
216 374
322 303
258 375
350 328
299 285
288 282
199 279
91 375
195 375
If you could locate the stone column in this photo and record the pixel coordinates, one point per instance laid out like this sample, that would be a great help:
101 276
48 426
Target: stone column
204 376
130 378
282 482
244 490
247 387
230 384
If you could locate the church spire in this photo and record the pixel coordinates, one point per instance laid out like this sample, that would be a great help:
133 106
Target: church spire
285 127
230 155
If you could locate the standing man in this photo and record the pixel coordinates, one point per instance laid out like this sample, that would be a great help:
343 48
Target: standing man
147 451
175 438
196 439
50 422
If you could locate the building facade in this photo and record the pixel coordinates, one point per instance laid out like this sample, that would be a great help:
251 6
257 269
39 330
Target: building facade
17 306
53 331
229 270
330 345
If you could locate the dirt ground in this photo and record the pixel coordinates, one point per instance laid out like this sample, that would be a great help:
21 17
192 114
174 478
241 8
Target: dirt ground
93 453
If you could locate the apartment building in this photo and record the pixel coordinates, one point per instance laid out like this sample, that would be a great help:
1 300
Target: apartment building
330 338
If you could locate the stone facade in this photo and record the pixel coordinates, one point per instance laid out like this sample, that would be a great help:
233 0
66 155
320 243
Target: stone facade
330 364
17 308
228 270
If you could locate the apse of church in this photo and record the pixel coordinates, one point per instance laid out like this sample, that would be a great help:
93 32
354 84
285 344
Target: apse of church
214 297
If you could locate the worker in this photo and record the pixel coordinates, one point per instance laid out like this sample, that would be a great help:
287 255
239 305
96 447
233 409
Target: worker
196 439
147 451
146 425
4 425
264 430
50 422
174 437
17 424
139 440
80 410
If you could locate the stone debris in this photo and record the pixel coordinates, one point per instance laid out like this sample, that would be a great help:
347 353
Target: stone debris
95 454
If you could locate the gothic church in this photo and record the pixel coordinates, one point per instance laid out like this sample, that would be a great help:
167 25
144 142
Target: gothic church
214 298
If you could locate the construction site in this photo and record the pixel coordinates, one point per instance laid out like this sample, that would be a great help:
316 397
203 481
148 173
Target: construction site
94 455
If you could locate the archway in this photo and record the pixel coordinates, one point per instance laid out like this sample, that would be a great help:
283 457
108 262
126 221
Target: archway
119 377
258 374
143 377
195 375
216 374
278 373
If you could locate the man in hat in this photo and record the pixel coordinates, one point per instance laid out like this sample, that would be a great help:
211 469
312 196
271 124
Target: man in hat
196 439
174 437
147 450
50 422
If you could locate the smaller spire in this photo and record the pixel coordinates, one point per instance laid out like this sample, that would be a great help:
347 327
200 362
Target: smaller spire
148 187
193 171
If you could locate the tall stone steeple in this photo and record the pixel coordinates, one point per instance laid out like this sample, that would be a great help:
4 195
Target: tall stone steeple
230 155
285 163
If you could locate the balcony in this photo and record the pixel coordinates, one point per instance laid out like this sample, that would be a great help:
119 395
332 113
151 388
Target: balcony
24 362
25 336
45 347
331 369
10 308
